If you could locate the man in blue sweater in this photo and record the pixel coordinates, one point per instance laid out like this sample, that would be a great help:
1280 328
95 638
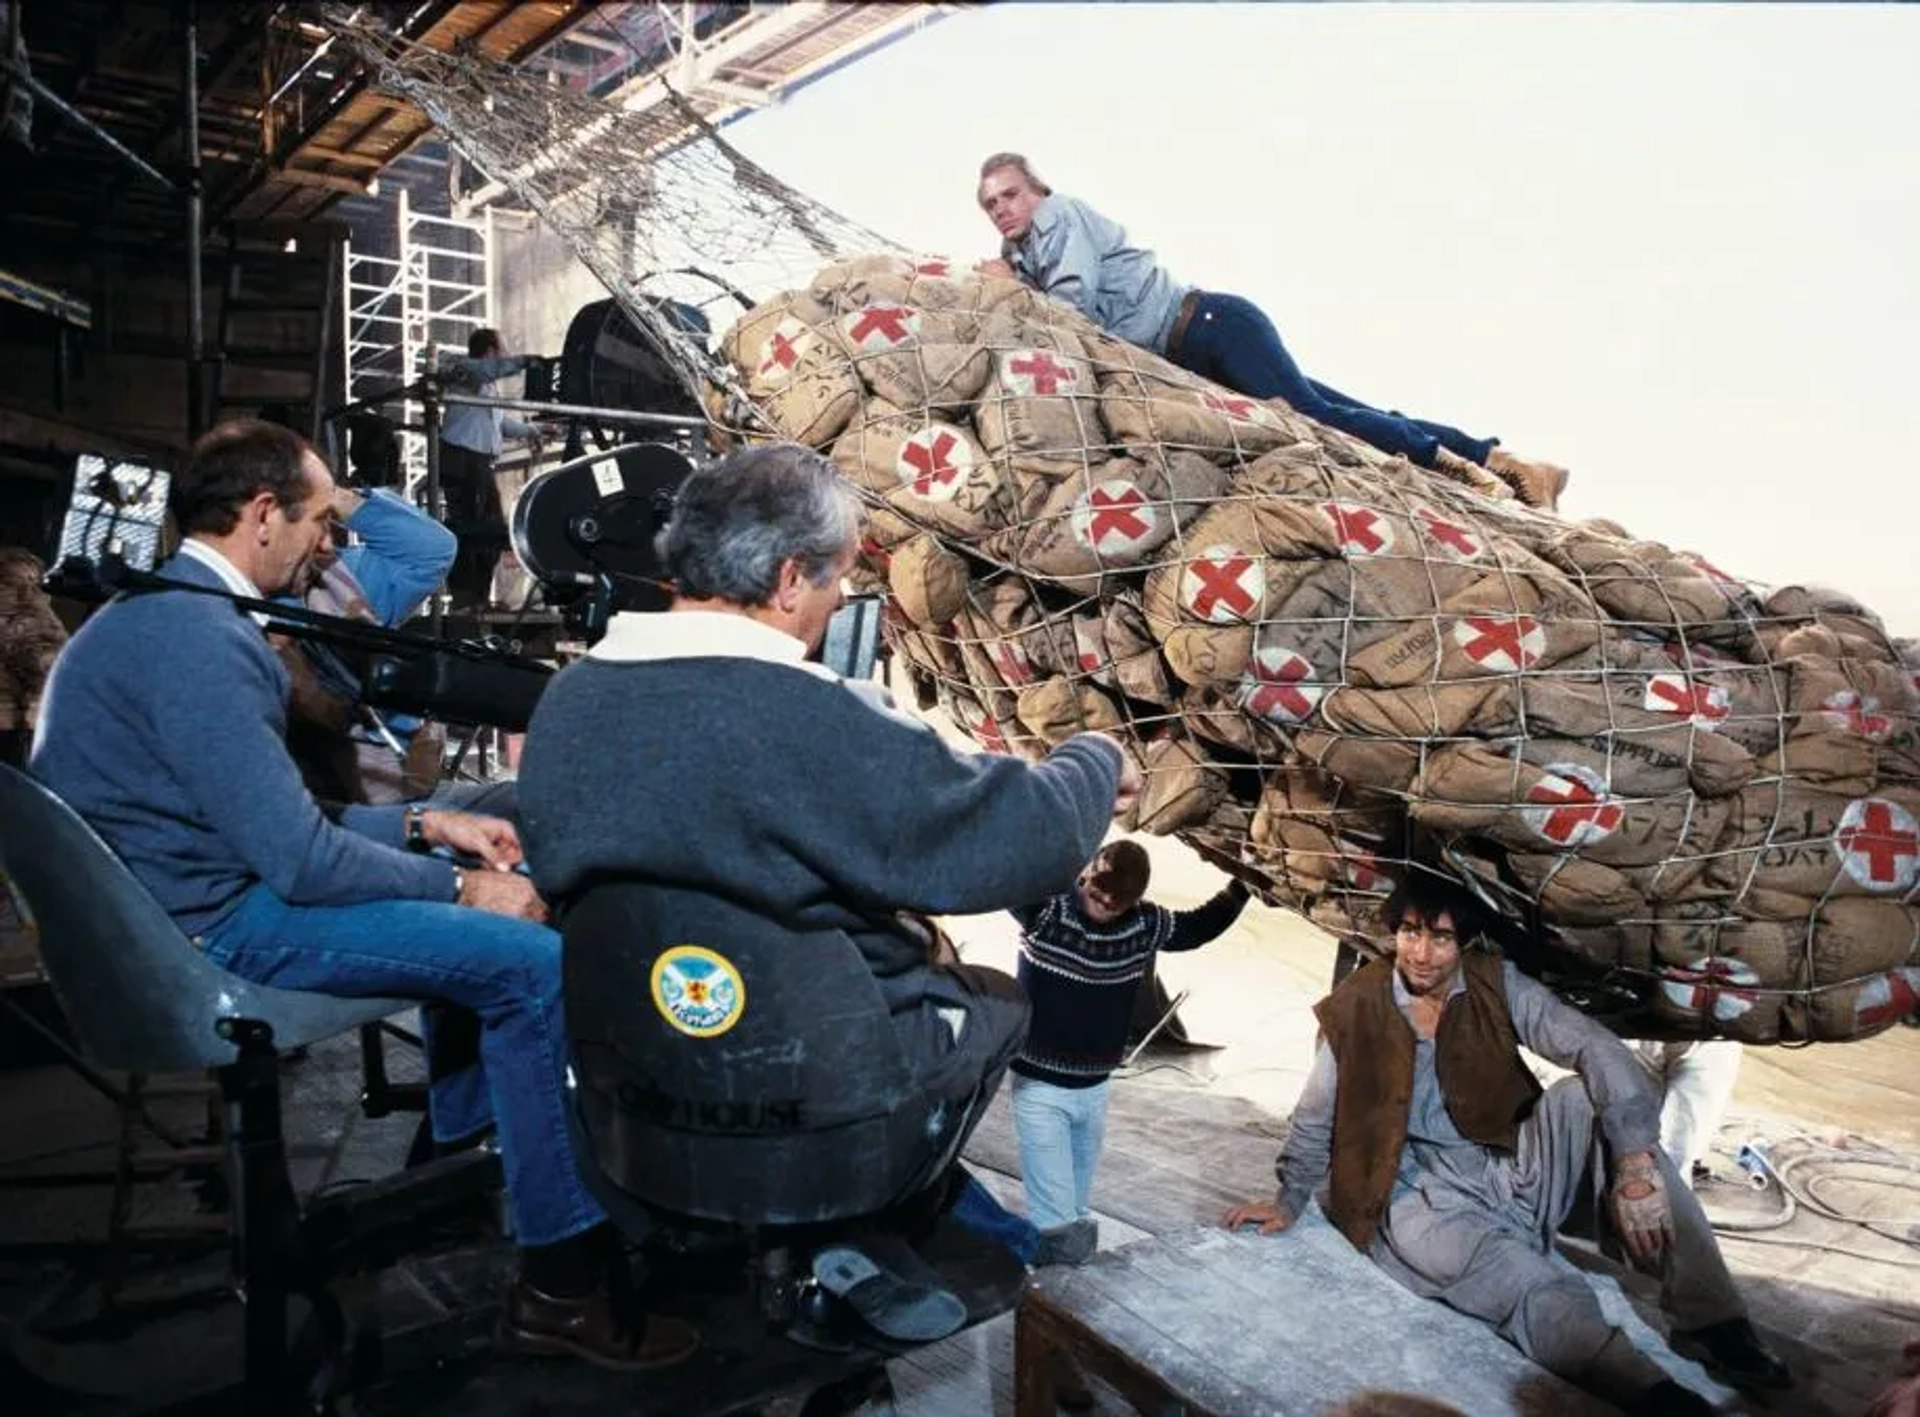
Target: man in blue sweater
165 728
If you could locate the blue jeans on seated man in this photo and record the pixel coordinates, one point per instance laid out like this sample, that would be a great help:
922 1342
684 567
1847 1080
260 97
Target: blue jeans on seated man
506 971
1060 1131
1232 342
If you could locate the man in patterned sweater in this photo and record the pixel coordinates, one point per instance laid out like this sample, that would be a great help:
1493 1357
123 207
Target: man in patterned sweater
1083 955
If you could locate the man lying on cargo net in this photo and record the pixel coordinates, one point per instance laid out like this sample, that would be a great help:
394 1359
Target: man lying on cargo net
1453 1172
1060 245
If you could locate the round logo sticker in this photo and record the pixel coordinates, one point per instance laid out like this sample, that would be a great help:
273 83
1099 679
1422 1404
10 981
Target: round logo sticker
1223 584
1113 518
1235 406
790 339
1360 531
1031 373
1879 844
698 991
934 463
880 327
1574 807
1715 984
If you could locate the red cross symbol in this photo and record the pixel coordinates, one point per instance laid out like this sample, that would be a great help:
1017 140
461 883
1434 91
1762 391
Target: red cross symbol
1034 371
1223 584
1359 530
1272 686
875 552
1888 998
933 266
1577 810
929 465
1246 410
986 732
1722 987
1011 661
1453 536
1088 645
789 340
1847 709
1879 844
1113 516
1503 643
1363 870
885 324
1705 704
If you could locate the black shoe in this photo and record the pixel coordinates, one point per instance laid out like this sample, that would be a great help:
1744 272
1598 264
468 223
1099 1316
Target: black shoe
1069 1244
1733 1352
1669 1399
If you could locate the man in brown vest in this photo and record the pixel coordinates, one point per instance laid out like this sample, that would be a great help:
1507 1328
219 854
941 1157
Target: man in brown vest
1446 1163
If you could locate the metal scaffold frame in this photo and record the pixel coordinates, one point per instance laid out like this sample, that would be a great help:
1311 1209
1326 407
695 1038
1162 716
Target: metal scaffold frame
405 310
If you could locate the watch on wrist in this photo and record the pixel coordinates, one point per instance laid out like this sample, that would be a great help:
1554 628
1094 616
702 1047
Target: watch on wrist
416 828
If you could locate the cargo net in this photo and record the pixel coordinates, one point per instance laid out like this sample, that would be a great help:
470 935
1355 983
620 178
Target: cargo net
653 201
1333 665
1699 795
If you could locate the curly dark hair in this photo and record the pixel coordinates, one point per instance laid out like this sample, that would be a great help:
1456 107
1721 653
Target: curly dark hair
1425 896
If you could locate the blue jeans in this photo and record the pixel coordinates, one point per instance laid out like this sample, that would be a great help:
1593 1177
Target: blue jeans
506 971
1231 341
975 1208
1060 1131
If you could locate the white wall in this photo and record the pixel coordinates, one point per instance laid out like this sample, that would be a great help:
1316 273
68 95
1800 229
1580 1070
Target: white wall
1676 248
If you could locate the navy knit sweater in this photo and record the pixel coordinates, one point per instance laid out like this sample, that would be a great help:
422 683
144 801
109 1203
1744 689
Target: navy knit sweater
1082 977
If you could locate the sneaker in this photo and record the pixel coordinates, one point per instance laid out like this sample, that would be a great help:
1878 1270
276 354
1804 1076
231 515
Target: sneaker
1068 1244
1732 1351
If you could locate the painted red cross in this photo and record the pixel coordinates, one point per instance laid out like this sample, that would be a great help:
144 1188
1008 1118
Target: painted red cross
785 346
1847 709
1271 686
1455 537
893 323
1037 370
1359 530
1088 645
1363 871
1888 998
1501 641
987 733
1113 517
1223 584
928 454
1722 987
1705 704
1578 812
1233 407
1011 661
933 266
1878 837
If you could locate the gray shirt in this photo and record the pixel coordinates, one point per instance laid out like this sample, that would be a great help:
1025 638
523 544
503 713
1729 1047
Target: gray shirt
1436 1156
479 430
1074 254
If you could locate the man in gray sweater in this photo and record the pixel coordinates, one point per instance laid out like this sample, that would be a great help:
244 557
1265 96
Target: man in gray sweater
165 728
697 752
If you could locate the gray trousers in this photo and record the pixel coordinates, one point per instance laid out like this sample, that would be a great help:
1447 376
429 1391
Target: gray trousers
1498 1266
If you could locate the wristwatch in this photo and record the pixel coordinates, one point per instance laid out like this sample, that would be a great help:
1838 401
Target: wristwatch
417 827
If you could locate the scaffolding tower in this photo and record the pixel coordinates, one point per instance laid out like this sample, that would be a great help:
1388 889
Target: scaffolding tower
407 309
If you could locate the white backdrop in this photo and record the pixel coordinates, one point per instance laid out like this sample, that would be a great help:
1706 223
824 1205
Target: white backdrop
1676 248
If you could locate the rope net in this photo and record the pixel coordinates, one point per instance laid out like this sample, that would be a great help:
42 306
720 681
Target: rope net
1701 794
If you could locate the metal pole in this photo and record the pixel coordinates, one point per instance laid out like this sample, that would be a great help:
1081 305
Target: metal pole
436 503
196 316
85 124
574 410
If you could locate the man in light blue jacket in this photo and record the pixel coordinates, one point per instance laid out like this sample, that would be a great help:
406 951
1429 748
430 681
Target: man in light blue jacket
1062 246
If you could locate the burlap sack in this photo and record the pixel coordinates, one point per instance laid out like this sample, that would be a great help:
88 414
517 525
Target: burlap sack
1039 407
932 473
1385 765
1115 650
1835 611
1852 727
1793 838
1563 804
1647 584
1419 711
766 343
1719 994
994 734
914 358
928 582
1182 787
1300 790
1147 400
1110 518
1215 716
1576 892
1605 946
1055 709
1863 1007
819 397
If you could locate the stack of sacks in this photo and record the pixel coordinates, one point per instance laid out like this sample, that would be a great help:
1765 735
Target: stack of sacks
1330 662
30 636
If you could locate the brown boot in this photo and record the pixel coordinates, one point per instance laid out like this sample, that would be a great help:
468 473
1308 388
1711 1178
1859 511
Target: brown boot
1538 483
587 1327
1470 474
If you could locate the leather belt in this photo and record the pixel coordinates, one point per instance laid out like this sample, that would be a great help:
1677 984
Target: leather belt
1188 304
